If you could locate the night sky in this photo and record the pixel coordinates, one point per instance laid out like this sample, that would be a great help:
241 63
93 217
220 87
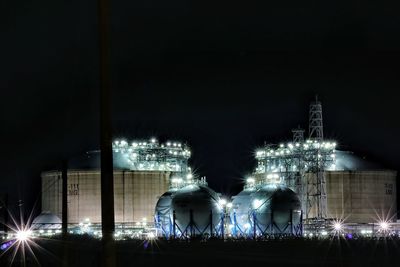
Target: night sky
221 75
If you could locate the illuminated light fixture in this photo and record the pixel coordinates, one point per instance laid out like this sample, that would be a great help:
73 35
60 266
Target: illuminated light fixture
222 202
229 205
247 226
250 180
189 176
23 235
384 226
338 226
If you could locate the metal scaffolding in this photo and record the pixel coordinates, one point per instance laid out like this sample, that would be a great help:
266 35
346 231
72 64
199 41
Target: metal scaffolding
316 128
153 156
300 166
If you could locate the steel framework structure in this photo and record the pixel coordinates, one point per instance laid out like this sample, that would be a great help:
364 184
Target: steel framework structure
316 128
153 156
300 166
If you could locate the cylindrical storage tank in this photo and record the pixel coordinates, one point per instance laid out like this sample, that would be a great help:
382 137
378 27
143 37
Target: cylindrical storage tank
271 210
163 214
276 209
196 211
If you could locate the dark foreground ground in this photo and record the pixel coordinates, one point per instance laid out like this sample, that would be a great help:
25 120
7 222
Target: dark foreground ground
84 251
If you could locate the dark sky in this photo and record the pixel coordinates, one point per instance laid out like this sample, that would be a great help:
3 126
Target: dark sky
222 75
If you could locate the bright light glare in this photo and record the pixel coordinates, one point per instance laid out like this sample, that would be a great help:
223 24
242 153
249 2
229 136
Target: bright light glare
384 226
257 203
23 235
250 180
222 202
337 226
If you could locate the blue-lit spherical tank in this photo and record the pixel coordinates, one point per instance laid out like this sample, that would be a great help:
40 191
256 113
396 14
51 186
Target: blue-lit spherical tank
271 209
240 213
163 214
196 207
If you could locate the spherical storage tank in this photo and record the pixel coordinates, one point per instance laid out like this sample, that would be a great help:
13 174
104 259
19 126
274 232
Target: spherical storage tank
46 221
241 211
268 210
193 210
163 213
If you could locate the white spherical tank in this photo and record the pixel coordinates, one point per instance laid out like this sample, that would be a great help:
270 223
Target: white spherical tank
268 210
241 211
277 208
163 214
197 210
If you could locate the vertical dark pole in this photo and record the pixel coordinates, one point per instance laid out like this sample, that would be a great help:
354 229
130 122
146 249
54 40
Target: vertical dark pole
64 178
4 213
211 224
107 179
174 225
291 222
272 223
254 226
301 223
234 224
64 209
191 224
223 225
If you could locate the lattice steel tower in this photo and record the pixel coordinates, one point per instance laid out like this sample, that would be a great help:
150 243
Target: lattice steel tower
298 135
316 126
316 183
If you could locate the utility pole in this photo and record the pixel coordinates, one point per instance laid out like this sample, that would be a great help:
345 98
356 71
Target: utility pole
107 178
64 209
64 178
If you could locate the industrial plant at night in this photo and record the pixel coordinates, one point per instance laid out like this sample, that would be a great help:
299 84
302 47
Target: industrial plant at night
303 187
